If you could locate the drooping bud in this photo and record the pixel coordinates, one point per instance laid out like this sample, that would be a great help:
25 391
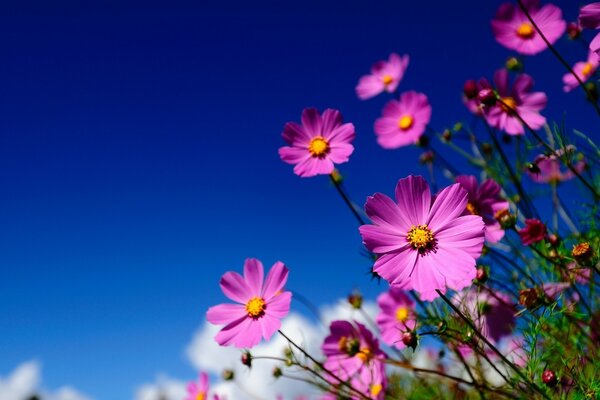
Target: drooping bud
487 97
470 89
426 158
553 239
410 340
573 30
355 300
549 378
277 372
247 359
228 375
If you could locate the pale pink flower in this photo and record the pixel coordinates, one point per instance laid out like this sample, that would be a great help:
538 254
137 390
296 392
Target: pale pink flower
515 31
403 121
423 243
583 69
396 317
199 390
384 77
319 143
549 168
519 99
261 305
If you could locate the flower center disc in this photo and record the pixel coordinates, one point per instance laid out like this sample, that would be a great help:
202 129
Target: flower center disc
365 354
387 79
587 69
318 146
526 30
201 396
255 307
405 122
508 104
471 208
402 314
420 237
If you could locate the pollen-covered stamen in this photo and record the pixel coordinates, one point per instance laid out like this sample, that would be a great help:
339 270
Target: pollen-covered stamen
405 122
365 354
587 69
350 346
526 30
387 79
255 307
420 237
402 314
318 146
471 208
508 104
201 396
376 389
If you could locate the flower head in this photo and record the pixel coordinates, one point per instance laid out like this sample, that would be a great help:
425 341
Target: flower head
384 77
261 305
533 232
583 69
423 243
397 316
484 200
515 31
353 354
199 390
517 99
403 121
549 167
473 92
319 143
589 17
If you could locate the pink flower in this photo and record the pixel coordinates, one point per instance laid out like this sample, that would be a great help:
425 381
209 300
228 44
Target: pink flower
471 92
396 317
353 354
549 167
583 69
403 121
384 76
318 143
262 305
514 31
533 232
423 243
589 17
199 391
484 200
519 98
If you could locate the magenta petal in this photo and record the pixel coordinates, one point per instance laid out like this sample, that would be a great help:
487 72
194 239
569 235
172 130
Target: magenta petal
279 305
276 279
448 205
383 211
312 122
293 155
268 325
414 197
397 267
426 278
331 119
235 287
379 239
224 314
254 275
465 232
228 334
589 16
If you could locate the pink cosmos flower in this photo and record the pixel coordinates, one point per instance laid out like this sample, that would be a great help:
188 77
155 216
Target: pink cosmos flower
318 143
423 243
549 167
261 306
484 200
514 31
533 232
403 121
199 390
471 92
384 76
517 98
583 69
353 354
396 317
589 17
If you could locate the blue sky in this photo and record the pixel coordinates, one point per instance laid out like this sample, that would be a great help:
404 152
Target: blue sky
138 161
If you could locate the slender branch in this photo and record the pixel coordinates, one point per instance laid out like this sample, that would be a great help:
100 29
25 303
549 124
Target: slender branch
340 190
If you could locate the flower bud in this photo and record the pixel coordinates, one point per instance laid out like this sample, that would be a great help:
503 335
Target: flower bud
533 168
228 375
505 218
247 359
549 378
277 372
514 64
573 30
530 298
410 340
337 176
487 149
446 135
470 89
426 158
423 141
481 276
487 97
355 300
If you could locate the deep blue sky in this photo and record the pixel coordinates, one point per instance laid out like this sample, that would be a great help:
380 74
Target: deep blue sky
138 161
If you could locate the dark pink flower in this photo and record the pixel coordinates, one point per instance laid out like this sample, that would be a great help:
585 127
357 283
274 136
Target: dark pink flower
403 121
589 17
583 69
519 99
514 31
261 305
319 143
384 77
473 102
484 200
533 232
396 317
549 167
353 354
423 243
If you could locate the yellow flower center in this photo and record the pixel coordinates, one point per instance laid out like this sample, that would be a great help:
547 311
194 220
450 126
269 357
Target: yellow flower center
387 79
318 146
255 307
375 390
420 237
471 208
364 354
587 69
580 249
526 30
508 104
402 314
201 396
405 122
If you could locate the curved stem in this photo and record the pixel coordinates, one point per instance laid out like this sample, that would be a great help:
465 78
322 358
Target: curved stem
340 190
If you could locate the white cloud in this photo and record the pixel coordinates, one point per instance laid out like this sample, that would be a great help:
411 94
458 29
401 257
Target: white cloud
163 388
25 381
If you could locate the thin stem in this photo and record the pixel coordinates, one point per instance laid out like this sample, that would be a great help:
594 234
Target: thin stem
340 190
532 385
557 54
